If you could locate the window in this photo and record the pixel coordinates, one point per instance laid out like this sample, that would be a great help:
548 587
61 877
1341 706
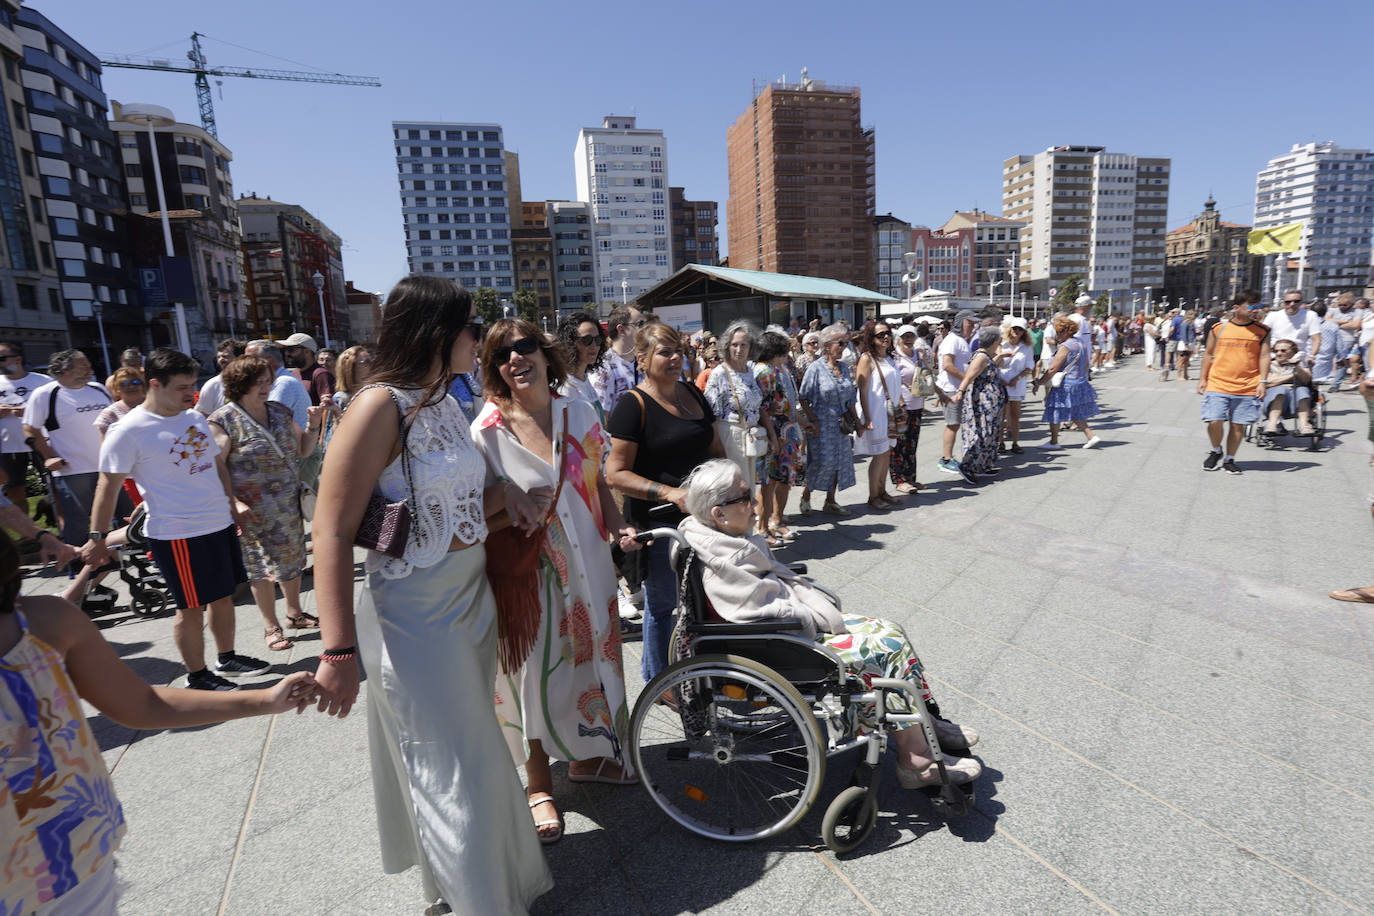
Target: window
19 120
191 174
187 146
45 253
36 204
60 186
55 303
426 251
419 185
68 226
28 297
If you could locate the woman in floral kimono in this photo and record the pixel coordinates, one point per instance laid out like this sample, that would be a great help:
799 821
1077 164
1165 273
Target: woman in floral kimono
567 699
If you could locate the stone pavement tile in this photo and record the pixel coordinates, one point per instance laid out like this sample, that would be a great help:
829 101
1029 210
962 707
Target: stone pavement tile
1243 794
184 885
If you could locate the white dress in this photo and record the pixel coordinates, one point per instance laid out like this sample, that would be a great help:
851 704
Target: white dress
884 387
570 693
447 797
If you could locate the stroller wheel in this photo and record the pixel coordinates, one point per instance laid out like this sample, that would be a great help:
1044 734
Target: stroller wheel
849 819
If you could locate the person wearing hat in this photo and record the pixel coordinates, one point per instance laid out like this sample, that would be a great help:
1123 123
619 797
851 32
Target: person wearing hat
298 351
1015 365
954 355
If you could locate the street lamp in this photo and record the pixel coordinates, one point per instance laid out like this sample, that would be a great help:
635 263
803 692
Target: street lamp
98 309
505 308
318 279
624 286
911 277
153 116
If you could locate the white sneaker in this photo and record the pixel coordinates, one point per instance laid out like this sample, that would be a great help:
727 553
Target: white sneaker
1094 442
627 608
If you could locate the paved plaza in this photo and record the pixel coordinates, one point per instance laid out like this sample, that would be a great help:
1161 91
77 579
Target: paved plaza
1175 717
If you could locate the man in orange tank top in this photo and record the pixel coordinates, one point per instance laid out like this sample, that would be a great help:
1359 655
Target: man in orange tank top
1232 380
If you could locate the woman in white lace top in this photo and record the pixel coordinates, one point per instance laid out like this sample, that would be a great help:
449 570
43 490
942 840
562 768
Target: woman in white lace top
425 624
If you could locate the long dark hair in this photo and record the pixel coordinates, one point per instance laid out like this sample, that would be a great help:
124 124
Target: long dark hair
422 318
567 338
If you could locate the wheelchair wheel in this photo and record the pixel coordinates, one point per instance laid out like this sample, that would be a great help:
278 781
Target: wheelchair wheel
849 819
741 759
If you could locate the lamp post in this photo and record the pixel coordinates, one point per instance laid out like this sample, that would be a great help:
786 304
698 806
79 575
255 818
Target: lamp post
318 279
1149 302
911 277
505 308
153 116
98 309
624 286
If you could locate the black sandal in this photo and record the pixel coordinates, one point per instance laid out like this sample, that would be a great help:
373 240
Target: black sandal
302 622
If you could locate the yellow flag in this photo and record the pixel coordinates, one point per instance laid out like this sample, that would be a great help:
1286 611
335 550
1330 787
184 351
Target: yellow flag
1278 240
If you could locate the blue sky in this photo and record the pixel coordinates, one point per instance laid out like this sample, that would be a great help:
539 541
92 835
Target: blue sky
952 89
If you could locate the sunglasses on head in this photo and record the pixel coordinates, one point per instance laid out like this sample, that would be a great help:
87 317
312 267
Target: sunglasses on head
524 346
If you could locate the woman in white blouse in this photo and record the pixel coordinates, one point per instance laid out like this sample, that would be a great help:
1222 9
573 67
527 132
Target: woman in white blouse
735 398
1014 365
425 626
583 344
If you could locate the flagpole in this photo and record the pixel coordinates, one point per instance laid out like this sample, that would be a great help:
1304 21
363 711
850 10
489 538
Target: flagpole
1302 259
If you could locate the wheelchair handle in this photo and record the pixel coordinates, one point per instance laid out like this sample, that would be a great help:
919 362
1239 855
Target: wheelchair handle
644 537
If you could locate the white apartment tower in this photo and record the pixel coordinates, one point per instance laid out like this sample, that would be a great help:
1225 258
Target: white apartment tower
455 202
622 173
1330 190
1090 212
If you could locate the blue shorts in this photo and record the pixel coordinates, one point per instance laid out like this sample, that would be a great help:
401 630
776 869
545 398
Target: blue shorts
1237 408
1292 397
200 570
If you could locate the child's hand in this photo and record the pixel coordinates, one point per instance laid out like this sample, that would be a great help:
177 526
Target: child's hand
295 690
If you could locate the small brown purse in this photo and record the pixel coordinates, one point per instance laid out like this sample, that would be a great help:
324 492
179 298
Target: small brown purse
385 525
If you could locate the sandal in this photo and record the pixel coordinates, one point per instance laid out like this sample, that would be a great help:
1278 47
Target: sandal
555 834
302 621
773 542
276 640
626 777
782 531
805 507
834 509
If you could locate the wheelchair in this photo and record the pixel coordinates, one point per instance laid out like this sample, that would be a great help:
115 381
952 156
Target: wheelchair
731 739
1254 432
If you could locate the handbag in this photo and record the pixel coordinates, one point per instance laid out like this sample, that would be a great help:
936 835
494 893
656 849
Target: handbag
755 437
896 412
513 574
385 525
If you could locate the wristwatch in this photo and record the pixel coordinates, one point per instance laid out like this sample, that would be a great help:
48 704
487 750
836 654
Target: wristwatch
96 536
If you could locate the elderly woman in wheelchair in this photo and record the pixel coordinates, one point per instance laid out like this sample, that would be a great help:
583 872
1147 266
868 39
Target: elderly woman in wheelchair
1288 390
745 584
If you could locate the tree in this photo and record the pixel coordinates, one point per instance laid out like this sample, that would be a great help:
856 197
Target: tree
488 306
525 303
1069 290
1102 305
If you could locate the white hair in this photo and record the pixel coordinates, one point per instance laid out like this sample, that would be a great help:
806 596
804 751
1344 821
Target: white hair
834 332
709 485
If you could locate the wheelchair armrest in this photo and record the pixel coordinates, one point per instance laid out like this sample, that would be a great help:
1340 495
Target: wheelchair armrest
798 568
746 629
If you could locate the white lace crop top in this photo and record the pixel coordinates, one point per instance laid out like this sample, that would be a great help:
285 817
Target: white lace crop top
447 475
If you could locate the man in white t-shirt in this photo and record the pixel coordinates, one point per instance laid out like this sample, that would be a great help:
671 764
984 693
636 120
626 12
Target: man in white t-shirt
212 392
60 418
1082 316
954 355
169 450
16 384
1295 323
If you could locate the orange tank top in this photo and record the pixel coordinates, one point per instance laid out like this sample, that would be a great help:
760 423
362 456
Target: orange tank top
1235 357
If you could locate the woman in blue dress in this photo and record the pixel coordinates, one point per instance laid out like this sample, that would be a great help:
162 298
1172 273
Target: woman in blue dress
1074 400
827 393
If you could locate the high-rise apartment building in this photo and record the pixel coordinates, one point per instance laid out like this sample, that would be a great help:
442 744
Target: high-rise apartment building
284 247
622 172
83 186
802 183
454 202
205 225
574 274
1330 189
31 311
1208 261
695 240
891 240
1090 212
996 252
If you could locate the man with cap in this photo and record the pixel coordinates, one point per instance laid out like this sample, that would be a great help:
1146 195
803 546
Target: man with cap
954 356
1082 316
298 351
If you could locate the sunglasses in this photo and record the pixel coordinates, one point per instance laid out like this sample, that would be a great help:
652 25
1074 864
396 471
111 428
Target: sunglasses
132 383
476 329
883 335
589 340
1292 302
737 500
524 346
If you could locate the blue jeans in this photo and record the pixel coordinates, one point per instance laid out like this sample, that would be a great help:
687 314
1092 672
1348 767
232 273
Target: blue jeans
660 600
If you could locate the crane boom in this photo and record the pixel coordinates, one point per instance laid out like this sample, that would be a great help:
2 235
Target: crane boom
202 71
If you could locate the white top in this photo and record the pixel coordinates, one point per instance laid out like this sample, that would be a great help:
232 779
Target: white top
447 474
582 389
1367 329
1048 343
76 439
290 391
1085 329
1339 317
1298 329
1023 357
884 387
906 366
956 346
212 396
15 392
173 460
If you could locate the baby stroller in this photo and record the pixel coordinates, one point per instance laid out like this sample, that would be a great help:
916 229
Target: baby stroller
731 739
148 592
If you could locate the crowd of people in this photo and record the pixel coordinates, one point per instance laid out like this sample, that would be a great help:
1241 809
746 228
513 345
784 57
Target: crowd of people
499 478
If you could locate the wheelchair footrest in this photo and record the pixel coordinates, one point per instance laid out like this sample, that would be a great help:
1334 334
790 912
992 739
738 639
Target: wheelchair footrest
950 800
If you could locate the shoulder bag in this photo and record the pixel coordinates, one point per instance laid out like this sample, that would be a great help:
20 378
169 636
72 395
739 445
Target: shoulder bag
755 437
385 525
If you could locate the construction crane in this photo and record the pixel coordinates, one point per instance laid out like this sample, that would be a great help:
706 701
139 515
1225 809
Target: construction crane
203 72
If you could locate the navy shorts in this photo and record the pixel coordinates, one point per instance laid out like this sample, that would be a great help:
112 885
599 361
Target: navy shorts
200 570
16 468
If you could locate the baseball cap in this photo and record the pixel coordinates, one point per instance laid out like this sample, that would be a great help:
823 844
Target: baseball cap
300 340
905 330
